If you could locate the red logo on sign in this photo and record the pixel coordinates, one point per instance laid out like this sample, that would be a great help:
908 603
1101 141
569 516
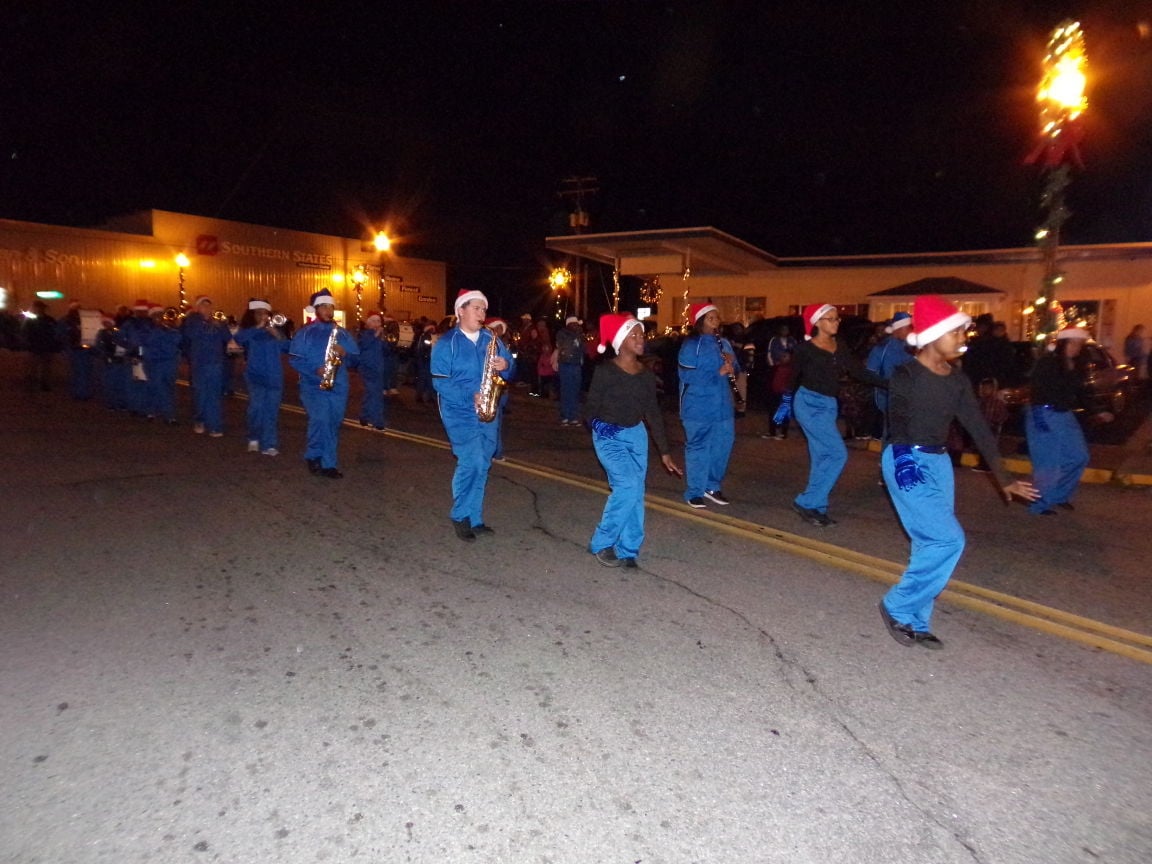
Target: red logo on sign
207 244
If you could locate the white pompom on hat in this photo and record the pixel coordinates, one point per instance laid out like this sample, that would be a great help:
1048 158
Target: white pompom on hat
466 296
614 329
932 317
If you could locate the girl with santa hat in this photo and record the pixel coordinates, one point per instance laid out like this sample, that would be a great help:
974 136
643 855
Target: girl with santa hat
707 366
819 364
621 399
923 398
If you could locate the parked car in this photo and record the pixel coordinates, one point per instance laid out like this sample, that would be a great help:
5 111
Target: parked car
1109 384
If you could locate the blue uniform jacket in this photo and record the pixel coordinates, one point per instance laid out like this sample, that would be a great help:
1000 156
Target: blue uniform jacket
308 348
160 344
262 350
372 351
456 368
704 392
884 359
204 341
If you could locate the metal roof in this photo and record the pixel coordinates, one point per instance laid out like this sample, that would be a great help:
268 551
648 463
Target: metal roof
936 285
706 251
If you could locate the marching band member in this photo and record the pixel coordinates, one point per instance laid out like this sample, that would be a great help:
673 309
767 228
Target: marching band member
372 369
707 364
458 360
205 342
160 351
264 345
820 360
1056 442
113 353
923 398
309 355
621 399
500 327
133 330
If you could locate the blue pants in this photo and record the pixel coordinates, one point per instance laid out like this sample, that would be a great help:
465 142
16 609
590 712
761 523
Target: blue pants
325 409
624 457
1059 455
707 448
499 421
390 369
136 390
117 377
827 454
161 388
208 396
570 380
373 410
264 413
926 511
80 370
473 444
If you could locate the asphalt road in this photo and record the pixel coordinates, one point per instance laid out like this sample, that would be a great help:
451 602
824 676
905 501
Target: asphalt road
209 655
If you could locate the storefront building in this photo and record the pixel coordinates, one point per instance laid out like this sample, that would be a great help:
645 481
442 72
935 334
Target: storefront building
167 258
1108 287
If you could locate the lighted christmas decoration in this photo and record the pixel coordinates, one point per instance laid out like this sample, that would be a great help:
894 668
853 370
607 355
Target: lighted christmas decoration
1062 100
687 326
615 290
651 291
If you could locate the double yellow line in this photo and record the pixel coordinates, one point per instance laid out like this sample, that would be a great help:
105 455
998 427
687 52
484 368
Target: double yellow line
1075 628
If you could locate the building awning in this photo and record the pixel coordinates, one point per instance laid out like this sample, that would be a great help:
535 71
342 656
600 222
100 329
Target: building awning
944 285
706 251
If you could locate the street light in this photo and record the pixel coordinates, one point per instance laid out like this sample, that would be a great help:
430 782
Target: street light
1062 103
559 279
182 262
382 243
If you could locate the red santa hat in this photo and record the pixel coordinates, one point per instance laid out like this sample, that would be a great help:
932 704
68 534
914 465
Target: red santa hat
377 315
155 309
203 298
496 323
932 317
141 306
613 331
813 312
466 296
1073 333
698 310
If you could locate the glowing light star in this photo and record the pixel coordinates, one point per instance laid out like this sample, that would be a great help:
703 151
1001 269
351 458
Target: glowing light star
1062 96
559 278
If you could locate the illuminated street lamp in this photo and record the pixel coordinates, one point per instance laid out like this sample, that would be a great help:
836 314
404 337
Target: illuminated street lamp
559 280
1062 100
182 262
382 243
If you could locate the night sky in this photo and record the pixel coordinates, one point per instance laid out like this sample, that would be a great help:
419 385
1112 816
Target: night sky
806 128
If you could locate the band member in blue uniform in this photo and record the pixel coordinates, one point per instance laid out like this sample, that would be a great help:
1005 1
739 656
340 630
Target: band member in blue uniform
707 365
457 371
500 327
1056 442
308 354
885 357
924 396
205 344
133 335
264 347
160 351
372 367
820 362
80 366
117 372
621 399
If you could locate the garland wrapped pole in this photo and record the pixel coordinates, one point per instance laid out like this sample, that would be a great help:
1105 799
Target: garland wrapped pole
1062 101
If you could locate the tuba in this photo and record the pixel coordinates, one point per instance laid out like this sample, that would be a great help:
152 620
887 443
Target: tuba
491 384
332 360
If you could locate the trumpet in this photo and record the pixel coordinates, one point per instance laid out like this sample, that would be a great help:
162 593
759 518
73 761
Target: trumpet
277 320
219 316
171 316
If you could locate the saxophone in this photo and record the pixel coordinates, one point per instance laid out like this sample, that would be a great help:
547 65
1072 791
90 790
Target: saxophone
332 360
491 384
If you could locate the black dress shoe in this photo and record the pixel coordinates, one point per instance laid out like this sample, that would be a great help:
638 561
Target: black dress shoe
902 633
331 473
481 529
464 529
629 563
313 466
927 640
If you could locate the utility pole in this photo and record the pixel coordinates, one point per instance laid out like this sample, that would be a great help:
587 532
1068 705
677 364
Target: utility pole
576 189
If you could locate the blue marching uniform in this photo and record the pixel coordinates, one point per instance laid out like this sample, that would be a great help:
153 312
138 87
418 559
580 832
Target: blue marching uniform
1056 443
918 473
325 408
111 349
264 376
373 368
707 413
457 365
133 335
883 360
161 354
205 342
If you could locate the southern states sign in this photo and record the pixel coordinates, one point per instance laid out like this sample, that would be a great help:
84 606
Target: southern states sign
210 244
